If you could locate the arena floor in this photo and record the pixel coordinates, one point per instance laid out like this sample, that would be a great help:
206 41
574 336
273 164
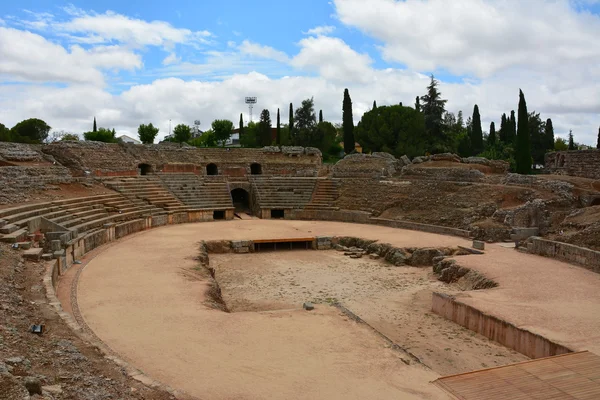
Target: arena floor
138 296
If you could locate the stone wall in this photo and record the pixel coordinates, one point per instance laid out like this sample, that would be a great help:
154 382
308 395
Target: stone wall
127 228
17 181
20 152
112 159
443 173
582 256
584 163
374 166
525 342
442 230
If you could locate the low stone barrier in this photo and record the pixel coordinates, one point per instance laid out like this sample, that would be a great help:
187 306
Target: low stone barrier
587 258
360 217
415 226
160 220
130 227
96 239
521 340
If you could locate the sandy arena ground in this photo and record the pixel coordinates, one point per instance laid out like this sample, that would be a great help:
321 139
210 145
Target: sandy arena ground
137 299
394 300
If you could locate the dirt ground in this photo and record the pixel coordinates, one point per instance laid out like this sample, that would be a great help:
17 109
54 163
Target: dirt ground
58 359
394 300
138 298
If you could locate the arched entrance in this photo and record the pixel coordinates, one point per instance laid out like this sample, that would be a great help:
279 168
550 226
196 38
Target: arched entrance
255 169
211 169
241 199
145 169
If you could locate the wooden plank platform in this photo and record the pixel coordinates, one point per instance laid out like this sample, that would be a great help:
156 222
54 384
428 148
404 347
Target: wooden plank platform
573 376
288 240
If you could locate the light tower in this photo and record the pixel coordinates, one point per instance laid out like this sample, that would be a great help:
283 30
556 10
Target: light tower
251 101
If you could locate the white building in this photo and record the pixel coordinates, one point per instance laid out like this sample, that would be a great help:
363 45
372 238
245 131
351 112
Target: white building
128 139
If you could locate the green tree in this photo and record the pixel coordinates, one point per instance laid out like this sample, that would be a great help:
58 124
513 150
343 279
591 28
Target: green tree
147 133
433 108
598 141
101 135
511 136
292 134
207 139
241 126
320 116
94 129
31 130
397 130
222 129
182 133
571 141
502 134
5 135
305 121
374 105
560 144
348 123
69 137
250 138
523 149
264 128
278 137
476 132
549 135
492 136
537 137
418 104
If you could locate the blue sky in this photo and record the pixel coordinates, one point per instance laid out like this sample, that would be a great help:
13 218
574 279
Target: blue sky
136 62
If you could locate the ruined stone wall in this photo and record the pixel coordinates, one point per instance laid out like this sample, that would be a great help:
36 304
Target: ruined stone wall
19 152
372 166
106 159
17 182
585 257
584 163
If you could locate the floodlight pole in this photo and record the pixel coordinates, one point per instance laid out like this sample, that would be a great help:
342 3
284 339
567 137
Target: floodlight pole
251 101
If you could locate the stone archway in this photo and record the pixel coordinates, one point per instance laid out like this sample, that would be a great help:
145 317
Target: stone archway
241 200
256 169
145 169
212 169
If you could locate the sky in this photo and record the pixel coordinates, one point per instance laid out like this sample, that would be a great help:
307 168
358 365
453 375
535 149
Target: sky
132 62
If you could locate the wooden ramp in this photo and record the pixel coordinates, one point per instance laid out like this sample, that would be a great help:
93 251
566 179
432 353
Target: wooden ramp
573 376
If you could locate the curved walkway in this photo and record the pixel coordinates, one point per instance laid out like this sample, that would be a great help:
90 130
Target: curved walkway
134 296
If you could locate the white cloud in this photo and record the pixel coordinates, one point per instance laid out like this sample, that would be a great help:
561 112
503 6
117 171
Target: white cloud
171 59
320 30
333 59
478 37
258 50
27 56
113 27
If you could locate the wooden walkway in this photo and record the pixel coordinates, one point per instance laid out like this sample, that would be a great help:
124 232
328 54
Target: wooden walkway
574 376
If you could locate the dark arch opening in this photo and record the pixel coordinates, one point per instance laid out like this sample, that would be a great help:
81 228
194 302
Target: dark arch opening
596 202
145 169
256 169
211 169
241 199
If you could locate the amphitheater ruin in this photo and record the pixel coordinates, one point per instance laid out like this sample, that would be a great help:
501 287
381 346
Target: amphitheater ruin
168 271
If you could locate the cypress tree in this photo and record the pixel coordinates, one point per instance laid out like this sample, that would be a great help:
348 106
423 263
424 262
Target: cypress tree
278 137
512 129
374 105
571 141
476 132
492 137
320 116
523 151
241 125
347 123
95 129
503 128
598 142
418 104
264 128
291 125
549 135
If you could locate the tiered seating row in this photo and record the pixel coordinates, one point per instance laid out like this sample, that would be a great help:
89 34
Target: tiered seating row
198 194
284 192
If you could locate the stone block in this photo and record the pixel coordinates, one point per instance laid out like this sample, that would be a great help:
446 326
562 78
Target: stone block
478 244
308 306
58 254
8 228
33 254
24 245
241 250
55 245
47 256
425 256
2 223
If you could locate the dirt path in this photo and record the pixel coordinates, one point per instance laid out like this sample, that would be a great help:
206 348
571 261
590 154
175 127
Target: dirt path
395 300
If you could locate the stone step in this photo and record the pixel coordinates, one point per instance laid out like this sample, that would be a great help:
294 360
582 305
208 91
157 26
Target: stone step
34 254
9 228
15 236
